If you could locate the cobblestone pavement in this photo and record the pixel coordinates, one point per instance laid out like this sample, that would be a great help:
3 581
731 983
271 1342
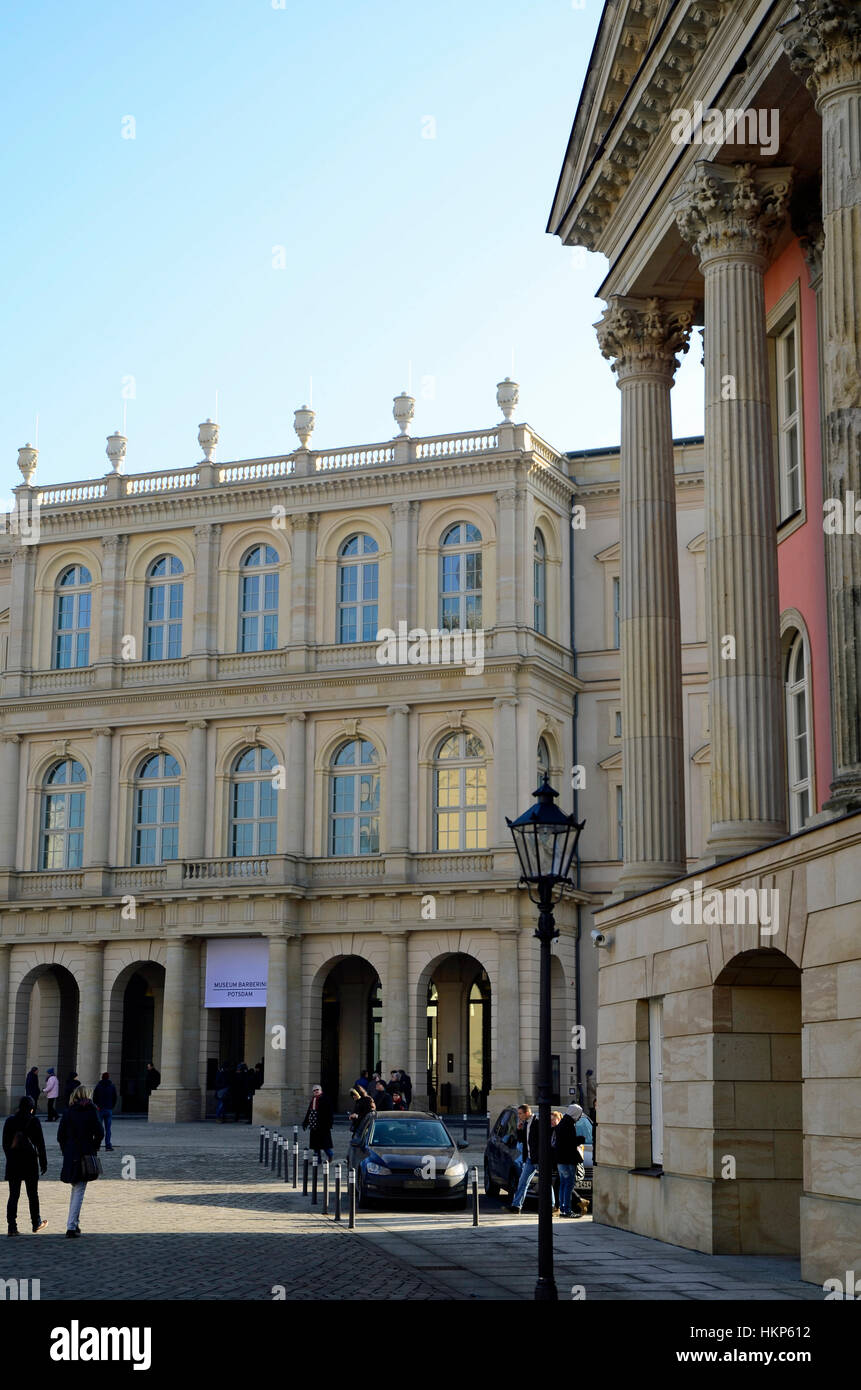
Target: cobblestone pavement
202 1219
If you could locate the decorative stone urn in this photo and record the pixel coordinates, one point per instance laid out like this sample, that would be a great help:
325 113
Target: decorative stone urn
27 460
404 409
303 423
116 450
207 438
507 396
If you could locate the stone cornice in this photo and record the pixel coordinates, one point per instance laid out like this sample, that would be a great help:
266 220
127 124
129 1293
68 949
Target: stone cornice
823 44
643 336
731 210
609 487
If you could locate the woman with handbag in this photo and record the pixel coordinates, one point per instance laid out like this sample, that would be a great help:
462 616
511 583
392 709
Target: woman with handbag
79 1136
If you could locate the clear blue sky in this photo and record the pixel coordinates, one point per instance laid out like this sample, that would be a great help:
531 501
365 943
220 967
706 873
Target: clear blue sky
300 127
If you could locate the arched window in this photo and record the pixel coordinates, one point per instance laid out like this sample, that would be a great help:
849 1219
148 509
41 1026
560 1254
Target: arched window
63 807
258 600
543 762
358 590
460 577
253 803
73 615
798 733
157 810
539 583
354 799
163 634
460 794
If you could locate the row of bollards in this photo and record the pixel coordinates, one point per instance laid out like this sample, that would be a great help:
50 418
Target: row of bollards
274 1154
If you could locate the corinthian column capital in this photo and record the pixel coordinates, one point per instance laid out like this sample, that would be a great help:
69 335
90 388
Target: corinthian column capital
644 335
823 44
732 210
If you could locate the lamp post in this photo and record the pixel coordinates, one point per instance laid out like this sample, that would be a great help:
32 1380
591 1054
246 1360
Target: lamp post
546 841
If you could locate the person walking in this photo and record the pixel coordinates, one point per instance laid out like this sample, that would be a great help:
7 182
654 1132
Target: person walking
153 1080
24 1147
222 1093
80 1134
318 1119
566 1147
32 1087
51 1090
527 1134
105 1101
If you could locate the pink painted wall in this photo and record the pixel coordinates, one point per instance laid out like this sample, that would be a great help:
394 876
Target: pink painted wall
801 556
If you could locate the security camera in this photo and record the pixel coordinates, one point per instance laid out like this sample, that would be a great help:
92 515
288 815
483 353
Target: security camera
599 938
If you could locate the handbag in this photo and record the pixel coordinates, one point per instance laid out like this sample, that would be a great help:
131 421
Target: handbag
90 1167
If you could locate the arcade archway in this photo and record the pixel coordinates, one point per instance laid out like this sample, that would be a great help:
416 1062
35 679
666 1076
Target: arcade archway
350 1026
134 1031
45 1025
457 1009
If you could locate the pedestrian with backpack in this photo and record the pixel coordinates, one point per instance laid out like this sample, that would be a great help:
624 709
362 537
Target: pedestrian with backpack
24 1147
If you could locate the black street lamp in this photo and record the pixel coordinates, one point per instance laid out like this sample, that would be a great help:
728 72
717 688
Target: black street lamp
546 842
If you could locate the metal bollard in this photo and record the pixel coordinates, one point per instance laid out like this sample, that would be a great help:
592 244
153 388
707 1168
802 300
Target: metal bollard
337 1191
314 1180
286 1153
296 1135
488 1125
475 1196
325 1187
304 1172
351 1184
266 1147
262 1132
280 1154
465 1134
295 1165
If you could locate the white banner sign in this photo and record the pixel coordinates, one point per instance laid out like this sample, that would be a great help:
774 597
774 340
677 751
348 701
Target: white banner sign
236 972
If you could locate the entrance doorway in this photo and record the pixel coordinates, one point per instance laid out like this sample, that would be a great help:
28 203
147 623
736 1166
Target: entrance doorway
350 1026
45 1025
458 1036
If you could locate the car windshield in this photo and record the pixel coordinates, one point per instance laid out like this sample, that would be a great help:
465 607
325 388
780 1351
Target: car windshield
425 1134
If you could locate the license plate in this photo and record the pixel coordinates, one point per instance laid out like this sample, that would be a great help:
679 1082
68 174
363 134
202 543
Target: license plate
417 1182
586 1185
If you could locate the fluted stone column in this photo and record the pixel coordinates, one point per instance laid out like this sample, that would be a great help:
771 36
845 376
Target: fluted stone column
398 831
296 774
297 1081
111 611
504 770
824 46
10 767
101 800
270 1102
178 1096
90 1015
193 815
394 1040
643 337
5 1049
506 570
731 214
505 1004
204 642
401 563
304 559
20 653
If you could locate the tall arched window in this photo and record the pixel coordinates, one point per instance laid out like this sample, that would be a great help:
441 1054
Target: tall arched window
73 614
543 762
358 590
354 799
460 577
798 733
258 600
253 803
163 634
157 810
539 583
63 808
460 794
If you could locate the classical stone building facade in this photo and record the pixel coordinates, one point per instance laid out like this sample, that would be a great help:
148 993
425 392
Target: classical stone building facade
200 742
729 1042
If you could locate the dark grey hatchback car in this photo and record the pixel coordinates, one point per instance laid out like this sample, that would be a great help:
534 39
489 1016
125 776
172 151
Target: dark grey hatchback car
406 1155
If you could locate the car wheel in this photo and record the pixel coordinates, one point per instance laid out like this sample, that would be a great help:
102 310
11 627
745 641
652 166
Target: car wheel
491 1188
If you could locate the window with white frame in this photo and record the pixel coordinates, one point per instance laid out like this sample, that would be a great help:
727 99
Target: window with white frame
789 451
539 583
460 578
358 590
543 761
258 600
72 617
63 809
460 793
253 803
798 733
354 799
163 632
157 810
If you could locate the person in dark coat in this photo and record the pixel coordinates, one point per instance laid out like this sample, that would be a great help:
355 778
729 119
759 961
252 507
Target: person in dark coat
32 1087
566 1142
405 1087
363 1083
105 1100
362 1104
24 1147
382 1098
222 1093
153 1079
79 1134
527 1136
318 1119
243 1090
